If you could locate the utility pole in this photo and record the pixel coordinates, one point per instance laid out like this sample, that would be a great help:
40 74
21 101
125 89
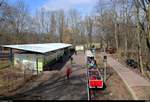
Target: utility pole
105 63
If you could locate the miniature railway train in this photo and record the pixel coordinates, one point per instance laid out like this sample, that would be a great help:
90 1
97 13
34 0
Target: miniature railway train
94 77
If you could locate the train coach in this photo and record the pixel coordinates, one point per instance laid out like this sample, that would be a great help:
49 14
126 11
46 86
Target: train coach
94 77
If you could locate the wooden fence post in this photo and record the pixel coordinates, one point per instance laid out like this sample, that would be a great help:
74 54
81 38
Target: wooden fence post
37 65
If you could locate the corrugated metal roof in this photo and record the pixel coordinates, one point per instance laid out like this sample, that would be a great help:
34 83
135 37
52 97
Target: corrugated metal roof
40 48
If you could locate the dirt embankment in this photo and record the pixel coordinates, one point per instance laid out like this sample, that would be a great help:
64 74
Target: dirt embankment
13 81
32 84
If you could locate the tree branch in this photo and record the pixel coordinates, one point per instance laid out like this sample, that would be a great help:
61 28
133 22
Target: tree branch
1 3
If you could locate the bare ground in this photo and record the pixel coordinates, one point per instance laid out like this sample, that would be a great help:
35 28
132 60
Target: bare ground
11 79
116 89
52 85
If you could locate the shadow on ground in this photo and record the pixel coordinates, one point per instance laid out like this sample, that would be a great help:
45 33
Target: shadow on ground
59 64
57 89
73 89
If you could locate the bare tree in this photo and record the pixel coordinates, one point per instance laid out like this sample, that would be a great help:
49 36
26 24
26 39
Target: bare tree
43 20
53 23
74 21
89 28
115 21
145 6
1 2
100 9
20 18
61 22
139 35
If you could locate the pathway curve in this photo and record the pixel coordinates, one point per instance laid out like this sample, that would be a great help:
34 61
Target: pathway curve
137 85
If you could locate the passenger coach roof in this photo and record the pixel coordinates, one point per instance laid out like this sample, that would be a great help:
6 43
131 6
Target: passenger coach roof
39 48
89 53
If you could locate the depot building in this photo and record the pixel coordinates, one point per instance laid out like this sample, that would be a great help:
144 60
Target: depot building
35 56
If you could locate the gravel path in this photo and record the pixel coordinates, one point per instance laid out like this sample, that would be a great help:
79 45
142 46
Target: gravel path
131 79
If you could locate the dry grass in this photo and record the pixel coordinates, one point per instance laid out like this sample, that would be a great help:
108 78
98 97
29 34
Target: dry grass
12 79
4 64
99 60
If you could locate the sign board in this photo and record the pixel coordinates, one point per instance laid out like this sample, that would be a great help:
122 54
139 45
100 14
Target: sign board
105 58
96 83
79 48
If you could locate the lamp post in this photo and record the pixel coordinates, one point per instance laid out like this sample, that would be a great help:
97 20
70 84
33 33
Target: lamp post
105 66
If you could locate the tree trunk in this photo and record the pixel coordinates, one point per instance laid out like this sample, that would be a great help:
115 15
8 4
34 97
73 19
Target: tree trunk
140 53
125 27
148 28
116 36
116 39
126 46
139 32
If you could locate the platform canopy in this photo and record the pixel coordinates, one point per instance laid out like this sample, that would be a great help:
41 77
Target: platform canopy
39 48
89 53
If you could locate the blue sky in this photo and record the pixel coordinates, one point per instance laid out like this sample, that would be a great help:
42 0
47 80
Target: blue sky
32 4
85 7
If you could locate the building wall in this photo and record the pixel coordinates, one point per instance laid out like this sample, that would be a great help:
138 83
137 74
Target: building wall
28 61
51 56
60 52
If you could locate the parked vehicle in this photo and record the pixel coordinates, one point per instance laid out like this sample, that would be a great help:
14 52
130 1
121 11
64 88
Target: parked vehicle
110 50
132 63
